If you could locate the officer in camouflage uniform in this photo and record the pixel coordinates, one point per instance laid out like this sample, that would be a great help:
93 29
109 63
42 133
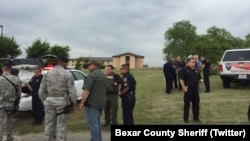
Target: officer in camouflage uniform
8 95
111 105
56 90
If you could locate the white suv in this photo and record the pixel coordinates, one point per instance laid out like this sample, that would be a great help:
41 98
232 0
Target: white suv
235 66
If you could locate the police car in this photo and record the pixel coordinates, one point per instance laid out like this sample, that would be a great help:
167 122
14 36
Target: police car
26 71
235 66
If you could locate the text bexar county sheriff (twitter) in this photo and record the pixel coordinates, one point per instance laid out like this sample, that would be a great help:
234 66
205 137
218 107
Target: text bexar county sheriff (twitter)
182 132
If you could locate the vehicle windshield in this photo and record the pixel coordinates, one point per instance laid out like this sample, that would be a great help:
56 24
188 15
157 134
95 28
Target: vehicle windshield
237 56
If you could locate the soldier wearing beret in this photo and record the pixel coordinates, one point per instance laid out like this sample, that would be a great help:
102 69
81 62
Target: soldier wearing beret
8 94
56 89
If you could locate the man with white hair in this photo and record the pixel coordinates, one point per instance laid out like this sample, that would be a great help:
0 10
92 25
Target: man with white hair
197 62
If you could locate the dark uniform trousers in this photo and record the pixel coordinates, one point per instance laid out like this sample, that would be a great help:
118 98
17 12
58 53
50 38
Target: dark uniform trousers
111 108
169 83
37 108
128 104
206 80
192 95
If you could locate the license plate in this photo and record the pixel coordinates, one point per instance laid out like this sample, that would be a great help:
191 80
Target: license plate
242 76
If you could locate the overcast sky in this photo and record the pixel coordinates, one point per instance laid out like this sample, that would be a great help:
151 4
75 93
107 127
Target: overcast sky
103 28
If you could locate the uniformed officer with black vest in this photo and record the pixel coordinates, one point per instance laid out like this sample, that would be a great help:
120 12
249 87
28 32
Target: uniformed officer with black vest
189 80
127 94
37 105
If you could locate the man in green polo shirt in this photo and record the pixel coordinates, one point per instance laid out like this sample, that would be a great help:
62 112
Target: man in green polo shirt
93 99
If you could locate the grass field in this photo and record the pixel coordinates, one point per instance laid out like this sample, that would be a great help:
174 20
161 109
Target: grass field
153 106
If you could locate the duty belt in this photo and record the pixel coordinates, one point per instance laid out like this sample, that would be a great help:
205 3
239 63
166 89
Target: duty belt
56 94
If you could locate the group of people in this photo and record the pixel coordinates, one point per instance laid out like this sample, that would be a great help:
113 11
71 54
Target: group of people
171 70
101 91
55 90
188 76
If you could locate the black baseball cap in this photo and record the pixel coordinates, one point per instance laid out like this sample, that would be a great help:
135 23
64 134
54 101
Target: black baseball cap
8 64
63 58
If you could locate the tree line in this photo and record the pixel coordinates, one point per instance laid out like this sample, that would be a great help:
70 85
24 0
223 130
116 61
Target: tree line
182 40
10 49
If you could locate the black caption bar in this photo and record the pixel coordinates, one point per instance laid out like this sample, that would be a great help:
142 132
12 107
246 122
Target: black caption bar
177 132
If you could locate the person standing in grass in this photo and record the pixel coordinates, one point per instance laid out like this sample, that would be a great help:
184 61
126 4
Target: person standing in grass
56 91
111 105
169 73
205 67
127 94
94 98
189 80
10 89
37 106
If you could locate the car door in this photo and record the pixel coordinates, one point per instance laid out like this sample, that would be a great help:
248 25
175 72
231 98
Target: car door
79 78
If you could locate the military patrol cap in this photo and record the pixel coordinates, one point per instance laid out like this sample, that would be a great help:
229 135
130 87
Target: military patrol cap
63 58
92 62
7 64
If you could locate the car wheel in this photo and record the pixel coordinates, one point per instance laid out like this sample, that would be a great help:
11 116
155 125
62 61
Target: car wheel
226 84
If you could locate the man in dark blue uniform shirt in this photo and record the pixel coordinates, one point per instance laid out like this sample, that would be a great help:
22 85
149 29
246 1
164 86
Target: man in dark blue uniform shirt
205 67
169 73
189 80
37 106
127 94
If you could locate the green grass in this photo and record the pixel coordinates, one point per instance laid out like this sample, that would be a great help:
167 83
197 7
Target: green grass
153 106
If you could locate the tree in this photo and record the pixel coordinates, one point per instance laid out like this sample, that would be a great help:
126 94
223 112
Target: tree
247 41
214 43
60 50
9 47
79 63
179 39
38 49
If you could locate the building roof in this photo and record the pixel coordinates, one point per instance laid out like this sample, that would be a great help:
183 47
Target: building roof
96 58
129 53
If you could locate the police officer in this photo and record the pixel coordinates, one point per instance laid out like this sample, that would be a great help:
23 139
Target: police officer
179 64
111 105
56 90
205 67
169 73
37 106
8 95
127 94
189 80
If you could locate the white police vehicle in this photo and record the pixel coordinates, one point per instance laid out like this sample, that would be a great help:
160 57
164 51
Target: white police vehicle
235 66
26 71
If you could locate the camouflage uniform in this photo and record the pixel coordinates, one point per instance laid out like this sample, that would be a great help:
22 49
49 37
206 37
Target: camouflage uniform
56 88
7 98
